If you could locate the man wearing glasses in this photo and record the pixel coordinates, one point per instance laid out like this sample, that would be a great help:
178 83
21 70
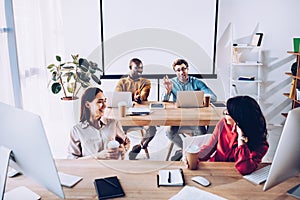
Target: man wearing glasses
183 82
140 89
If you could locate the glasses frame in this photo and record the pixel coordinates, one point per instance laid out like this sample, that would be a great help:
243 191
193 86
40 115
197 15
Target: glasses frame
181 69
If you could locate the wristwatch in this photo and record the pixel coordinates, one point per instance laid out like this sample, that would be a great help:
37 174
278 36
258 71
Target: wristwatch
243 138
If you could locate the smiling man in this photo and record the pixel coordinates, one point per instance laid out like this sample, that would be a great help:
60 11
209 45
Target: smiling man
140 89
183 82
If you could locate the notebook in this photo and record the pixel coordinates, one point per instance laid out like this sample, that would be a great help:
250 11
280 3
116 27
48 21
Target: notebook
114 98
108 187
173 177
190 99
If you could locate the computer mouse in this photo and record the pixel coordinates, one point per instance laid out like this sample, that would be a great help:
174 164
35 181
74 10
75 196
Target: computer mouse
201 180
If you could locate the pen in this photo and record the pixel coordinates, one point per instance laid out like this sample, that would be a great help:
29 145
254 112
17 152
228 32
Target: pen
109 182
169 178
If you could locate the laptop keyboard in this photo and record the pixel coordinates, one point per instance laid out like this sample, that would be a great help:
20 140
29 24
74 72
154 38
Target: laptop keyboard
258 176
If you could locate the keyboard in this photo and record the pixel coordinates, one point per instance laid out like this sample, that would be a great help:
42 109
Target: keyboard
259 176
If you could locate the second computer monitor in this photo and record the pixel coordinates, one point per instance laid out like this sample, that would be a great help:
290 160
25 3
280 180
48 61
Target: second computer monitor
286 162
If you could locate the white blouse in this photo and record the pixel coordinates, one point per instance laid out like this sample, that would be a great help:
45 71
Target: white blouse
86 140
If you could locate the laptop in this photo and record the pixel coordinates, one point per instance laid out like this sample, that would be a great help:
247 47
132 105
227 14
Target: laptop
114 98
190 99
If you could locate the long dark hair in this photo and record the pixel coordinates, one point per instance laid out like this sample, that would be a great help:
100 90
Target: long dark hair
246 112
88 96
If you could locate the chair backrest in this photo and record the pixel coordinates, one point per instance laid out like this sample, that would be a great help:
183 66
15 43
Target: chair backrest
199 140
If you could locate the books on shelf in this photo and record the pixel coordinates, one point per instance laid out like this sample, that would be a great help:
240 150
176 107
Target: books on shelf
246 78
173 177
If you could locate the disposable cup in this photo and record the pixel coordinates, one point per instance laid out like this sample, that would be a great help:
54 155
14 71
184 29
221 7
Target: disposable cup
192 157
206 101
122 109
113 145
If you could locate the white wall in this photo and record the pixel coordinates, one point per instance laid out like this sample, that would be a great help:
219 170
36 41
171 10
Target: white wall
277 20
238 20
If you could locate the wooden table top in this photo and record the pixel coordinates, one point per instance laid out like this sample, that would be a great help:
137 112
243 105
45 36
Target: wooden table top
138 179
170 116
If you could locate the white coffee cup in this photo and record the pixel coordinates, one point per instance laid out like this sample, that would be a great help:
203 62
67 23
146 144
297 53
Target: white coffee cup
192 156
122 108
113 144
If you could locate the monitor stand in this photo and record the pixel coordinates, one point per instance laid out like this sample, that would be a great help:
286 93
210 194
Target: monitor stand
17 193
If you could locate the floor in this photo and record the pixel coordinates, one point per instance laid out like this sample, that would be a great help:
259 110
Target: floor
159 145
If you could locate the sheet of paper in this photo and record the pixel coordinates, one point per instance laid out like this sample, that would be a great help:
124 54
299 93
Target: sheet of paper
191 192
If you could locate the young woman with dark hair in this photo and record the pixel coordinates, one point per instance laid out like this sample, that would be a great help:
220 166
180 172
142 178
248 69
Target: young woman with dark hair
240 137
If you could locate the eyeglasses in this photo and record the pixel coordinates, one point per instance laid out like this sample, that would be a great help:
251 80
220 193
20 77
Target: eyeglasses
181 69
225 112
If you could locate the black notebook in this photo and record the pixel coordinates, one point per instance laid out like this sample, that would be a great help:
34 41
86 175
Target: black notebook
108 187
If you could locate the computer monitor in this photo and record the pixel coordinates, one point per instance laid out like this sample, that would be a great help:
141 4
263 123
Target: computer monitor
23 133
286 162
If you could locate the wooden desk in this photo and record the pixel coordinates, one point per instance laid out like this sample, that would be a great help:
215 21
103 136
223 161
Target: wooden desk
138 179
171 116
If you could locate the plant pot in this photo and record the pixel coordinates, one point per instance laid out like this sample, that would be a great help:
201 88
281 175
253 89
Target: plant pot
71 109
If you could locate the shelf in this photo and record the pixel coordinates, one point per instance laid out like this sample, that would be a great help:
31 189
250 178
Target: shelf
291 75
246 57
246 47
247 64
294 53
247 81
288 96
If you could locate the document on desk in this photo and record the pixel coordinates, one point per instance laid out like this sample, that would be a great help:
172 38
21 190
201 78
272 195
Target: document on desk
191 192
138 111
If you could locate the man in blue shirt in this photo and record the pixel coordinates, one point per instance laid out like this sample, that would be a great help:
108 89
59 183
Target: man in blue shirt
183 82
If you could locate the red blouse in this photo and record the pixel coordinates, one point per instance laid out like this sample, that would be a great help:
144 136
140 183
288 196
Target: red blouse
223 147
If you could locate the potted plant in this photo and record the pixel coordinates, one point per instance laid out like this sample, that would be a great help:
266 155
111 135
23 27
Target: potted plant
70 77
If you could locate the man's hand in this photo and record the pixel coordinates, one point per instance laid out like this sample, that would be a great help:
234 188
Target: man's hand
137 97
168 84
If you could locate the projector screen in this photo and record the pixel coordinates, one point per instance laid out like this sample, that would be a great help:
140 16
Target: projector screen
158 32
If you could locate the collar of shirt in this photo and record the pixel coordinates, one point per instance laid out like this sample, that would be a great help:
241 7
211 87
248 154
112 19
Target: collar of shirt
103 122
135 80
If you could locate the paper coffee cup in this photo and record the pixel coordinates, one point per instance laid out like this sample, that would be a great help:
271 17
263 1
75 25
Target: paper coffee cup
206 100
122 108
113 144
192 157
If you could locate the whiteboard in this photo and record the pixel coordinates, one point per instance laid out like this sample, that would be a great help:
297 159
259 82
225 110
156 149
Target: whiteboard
158 32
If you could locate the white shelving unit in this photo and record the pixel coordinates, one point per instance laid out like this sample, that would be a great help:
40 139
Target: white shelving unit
246 63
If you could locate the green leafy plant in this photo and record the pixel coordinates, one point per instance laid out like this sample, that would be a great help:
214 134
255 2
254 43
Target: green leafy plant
70 77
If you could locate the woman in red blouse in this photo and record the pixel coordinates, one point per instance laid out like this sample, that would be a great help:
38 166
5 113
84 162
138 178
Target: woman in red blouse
239 137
